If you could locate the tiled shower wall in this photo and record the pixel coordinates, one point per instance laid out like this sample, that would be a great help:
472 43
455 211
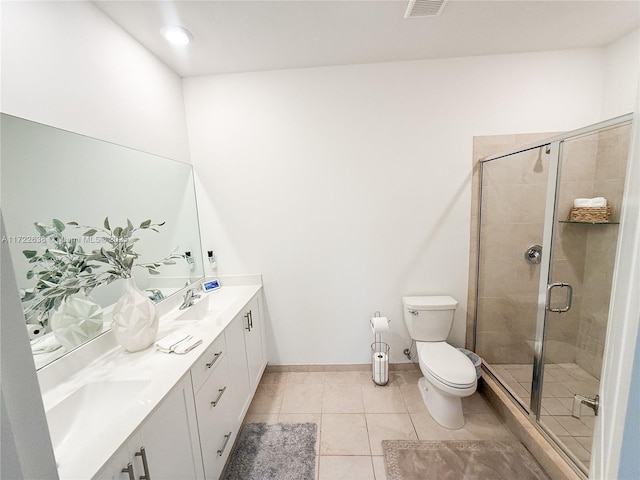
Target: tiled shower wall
601 241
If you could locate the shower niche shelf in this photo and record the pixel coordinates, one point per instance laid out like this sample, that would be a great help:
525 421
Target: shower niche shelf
589 223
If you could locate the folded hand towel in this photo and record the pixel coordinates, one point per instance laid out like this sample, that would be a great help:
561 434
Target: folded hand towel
187 345
590 202
167 343
582 202
177 342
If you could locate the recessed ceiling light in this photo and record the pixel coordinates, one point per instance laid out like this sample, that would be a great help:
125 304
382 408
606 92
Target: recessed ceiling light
176 35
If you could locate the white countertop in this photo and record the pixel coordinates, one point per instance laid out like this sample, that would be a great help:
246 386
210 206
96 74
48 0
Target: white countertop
153 374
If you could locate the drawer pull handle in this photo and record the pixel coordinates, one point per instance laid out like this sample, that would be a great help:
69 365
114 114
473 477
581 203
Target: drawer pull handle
221 390
247 316
129 470
224 445
142 453
215 359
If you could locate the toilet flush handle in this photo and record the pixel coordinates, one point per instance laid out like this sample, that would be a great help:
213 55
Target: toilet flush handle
413 312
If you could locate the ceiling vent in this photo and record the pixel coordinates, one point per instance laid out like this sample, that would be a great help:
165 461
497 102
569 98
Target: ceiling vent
424 8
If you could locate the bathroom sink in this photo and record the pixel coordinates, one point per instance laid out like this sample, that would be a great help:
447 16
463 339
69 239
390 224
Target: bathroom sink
205 309
200 310
91 409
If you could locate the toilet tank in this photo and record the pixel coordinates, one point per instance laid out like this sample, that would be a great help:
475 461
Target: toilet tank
429 318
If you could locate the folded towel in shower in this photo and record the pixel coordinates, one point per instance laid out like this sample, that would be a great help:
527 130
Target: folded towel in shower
590 202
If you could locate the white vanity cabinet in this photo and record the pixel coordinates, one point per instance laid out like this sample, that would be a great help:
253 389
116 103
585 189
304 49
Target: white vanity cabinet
247 358
253 337
165 447
191 432
231 387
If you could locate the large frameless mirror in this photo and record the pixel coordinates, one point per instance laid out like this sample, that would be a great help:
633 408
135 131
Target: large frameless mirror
64 197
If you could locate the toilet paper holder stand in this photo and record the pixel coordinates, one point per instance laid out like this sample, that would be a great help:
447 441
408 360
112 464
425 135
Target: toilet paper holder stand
379 355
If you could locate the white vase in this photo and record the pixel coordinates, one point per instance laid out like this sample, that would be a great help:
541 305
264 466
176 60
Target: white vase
77 320
135 320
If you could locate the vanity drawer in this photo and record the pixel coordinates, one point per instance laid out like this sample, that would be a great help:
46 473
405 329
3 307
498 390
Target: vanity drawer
214 400
217 426
216 449
208 362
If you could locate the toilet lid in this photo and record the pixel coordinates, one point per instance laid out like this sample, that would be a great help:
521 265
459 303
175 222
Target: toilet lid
447 364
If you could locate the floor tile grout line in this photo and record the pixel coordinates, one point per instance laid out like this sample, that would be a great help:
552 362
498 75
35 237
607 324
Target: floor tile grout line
321 416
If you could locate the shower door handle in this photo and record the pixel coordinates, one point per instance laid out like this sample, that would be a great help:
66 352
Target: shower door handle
567 306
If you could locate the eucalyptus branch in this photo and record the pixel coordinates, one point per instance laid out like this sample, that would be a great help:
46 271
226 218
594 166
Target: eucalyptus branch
121 257
168 260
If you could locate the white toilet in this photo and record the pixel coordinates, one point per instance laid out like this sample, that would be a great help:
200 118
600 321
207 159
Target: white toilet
449 375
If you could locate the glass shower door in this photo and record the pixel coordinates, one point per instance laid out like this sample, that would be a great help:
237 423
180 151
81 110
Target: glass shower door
512 211
580 276
541 327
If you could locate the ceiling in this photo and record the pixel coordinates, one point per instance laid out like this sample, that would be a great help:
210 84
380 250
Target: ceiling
242 36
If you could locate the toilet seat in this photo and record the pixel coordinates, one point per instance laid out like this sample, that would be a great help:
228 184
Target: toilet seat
446 364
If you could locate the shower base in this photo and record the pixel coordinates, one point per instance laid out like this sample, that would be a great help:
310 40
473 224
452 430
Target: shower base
560 383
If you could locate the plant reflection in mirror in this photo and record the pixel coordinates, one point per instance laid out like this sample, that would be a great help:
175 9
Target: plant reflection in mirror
60 271
66 269
120 255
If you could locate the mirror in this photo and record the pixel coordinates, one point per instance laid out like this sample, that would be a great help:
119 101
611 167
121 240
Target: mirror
51 175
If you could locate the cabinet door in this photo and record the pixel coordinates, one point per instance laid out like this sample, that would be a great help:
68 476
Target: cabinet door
170 437
253 341
238 369
116 467
218 445
124 464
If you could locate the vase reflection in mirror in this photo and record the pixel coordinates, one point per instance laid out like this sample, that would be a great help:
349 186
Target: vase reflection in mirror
135 319
76 320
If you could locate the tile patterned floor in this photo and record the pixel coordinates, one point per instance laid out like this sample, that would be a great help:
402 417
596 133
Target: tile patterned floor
354 415
561 382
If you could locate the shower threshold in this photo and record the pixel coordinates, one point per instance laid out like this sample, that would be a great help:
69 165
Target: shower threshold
560 384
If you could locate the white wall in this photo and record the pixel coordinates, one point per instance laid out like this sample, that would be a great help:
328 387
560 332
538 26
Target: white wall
621 70
66 64
349 187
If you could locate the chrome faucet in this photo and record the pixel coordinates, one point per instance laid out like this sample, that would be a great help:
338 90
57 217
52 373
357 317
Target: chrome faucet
189 298
155 295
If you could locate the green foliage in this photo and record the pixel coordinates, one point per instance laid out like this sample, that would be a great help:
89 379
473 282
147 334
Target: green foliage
62 270
120 257
66 269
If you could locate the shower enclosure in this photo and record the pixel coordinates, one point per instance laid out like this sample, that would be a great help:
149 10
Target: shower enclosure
544 280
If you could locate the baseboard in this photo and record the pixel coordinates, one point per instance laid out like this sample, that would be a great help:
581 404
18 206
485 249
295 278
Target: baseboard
360 367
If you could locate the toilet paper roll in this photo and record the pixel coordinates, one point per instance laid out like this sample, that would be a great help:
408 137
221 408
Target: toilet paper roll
35 331
379 325
380 368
